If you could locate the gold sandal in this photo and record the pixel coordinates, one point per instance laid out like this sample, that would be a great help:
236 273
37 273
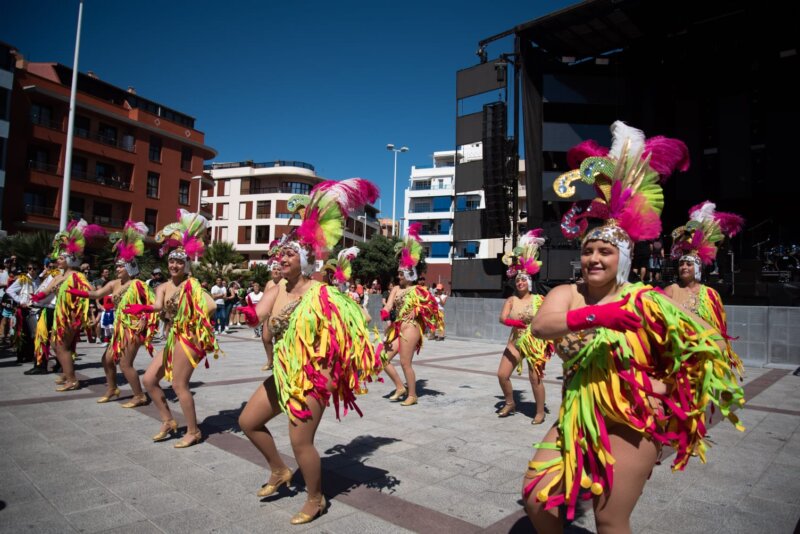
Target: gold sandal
137 401
111 396
398 394
507 409
172 428
198 437
69 386
284 477
301 518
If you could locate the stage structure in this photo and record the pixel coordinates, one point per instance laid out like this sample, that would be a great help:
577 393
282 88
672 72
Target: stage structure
716 74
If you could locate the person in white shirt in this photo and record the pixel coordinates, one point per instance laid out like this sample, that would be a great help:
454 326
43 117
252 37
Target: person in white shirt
253 298
20 292
44 323
218 293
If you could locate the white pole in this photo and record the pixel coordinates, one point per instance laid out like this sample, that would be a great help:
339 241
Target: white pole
70 128
365 227
394 192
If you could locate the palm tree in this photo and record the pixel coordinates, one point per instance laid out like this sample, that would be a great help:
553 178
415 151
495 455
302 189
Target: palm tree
31 247
220 259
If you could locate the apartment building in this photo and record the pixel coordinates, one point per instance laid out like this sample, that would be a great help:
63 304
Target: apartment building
132 157
6 83
248 201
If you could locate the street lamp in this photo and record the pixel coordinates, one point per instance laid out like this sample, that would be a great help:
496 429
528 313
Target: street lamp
199 179
363 218
390 147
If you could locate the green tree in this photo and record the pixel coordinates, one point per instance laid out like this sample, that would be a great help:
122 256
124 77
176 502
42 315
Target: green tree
27 247
220 259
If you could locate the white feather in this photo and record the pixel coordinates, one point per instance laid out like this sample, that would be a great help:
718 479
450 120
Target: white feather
349 253
620 132
704 213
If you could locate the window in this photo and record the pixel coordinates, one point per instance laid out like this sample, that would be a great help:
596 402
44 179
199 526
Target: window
441 203
107 134
77 207
41 115
101 213
186 159
79 167
245 235
223 233
468 203
243 211
223 188
262 234
422 185
295 188
183 192
222 212
263 209
36 203
4 99
82 126
151 220
421 207
104 171
440 250
2 153
152 184
155 149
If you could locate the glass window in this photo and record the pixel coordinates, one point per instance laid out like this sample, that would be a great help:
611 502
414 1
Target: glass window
243 211
104 170
107 134
440 250
186 158
421 207
262 234
41 115
183 192
151 220
155 149
153 179
4 99
295 188
82 126
263 209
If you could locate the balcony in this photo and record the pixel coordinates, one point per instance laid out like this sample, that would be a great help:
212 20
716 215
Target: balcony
33 209
265 190
108 221
430 187
430 209
116 181
126 142
41 121
261 165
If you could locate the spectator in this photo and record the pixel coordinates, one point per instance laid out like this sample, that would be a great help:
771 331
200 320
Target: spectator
105 275
156 279
253 298
218 293
107 319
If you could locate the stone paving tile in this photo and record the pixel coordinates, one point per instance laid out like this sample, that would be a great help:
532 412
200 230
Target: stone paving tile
99 519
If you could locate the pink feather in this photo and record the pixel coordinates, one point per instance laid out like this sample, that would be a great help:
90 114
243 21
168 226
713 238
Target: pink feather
406 261
93 230
310 233
667 155
414 230
638 220
72 224
338 275
730 223
581 151
537 232
351 194
127 251
530 265
194 247
72 247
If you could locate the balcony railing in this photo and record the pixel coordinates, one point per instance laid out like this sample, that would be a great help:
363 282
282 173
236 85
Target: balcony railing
261 165
116 181
125 143
41 121
108 221
43 166
262 190
425 209
39 210
430 187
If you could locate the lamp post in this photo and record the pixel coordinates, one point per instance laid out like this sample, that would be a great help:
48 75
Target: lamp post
199 179
390 147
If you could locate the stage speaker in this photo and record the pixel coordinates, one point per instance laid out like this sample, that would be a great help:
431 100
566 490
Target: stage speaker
495 176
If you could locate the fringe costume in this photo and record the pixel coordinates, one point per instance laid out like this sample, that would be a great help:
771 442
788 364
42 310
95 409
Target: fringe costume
536 351
190 328
131 327
608 382
325 329
71 313
711 310
419 308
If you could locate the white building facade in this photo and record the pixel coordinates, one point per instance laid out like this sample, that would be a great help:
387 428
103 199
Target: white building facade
249 199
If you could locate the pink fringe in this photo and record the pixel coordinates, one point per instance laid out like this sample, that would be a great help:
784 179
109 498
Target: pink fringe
194 247
72 247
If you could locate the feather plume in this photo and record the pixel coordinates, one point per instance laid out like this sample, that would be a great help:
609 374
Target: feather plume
667 155
622 133
730 223
586 149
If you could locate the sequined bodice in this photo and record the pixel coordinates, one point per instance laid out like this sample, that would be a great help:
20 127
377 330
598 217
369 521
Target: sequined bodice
521 309
688 299
279 322
170 309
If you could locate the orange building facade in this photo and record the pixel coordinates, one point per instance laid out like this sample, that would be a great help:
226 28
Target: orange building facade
132 157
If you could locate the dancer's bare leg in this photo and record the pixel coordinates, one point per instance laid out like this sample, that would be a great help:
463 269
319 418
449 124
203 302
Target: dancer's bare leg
408 344
260 409
154 373
301 434
64 357
110 369
537 386
507 364
390 370
635 457
126 364
181 374
544 521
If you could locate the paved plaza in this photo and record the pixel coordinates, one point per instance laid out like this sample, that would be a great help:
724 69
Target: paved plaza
446 465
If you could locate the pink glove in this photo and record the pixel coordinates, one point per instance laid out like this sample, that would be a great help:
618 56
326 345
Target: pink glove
516 323
138 309
609 315
36 297
384 315
78 293
250 315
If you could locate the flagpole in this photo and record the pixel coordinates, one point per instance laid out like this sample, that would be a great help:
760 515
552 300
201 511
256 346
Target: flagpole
70 128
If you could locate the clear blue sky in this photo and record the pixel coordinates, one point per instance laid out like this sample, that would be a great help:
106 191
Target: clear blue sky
328 83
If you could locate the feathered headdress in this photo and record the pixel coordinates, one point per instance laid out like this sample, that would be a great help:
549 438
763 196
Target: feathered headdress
72 242
523 260
323 214
627 179
128 244
185 237
697 240
409 251
342 265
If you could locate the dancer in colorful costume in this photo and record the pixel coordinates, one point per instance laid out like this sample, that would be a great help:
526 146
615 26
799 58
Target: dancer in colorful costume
322 347
695 245
518 312
416 312
44 324
639 371
130 332
71 312
186 311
